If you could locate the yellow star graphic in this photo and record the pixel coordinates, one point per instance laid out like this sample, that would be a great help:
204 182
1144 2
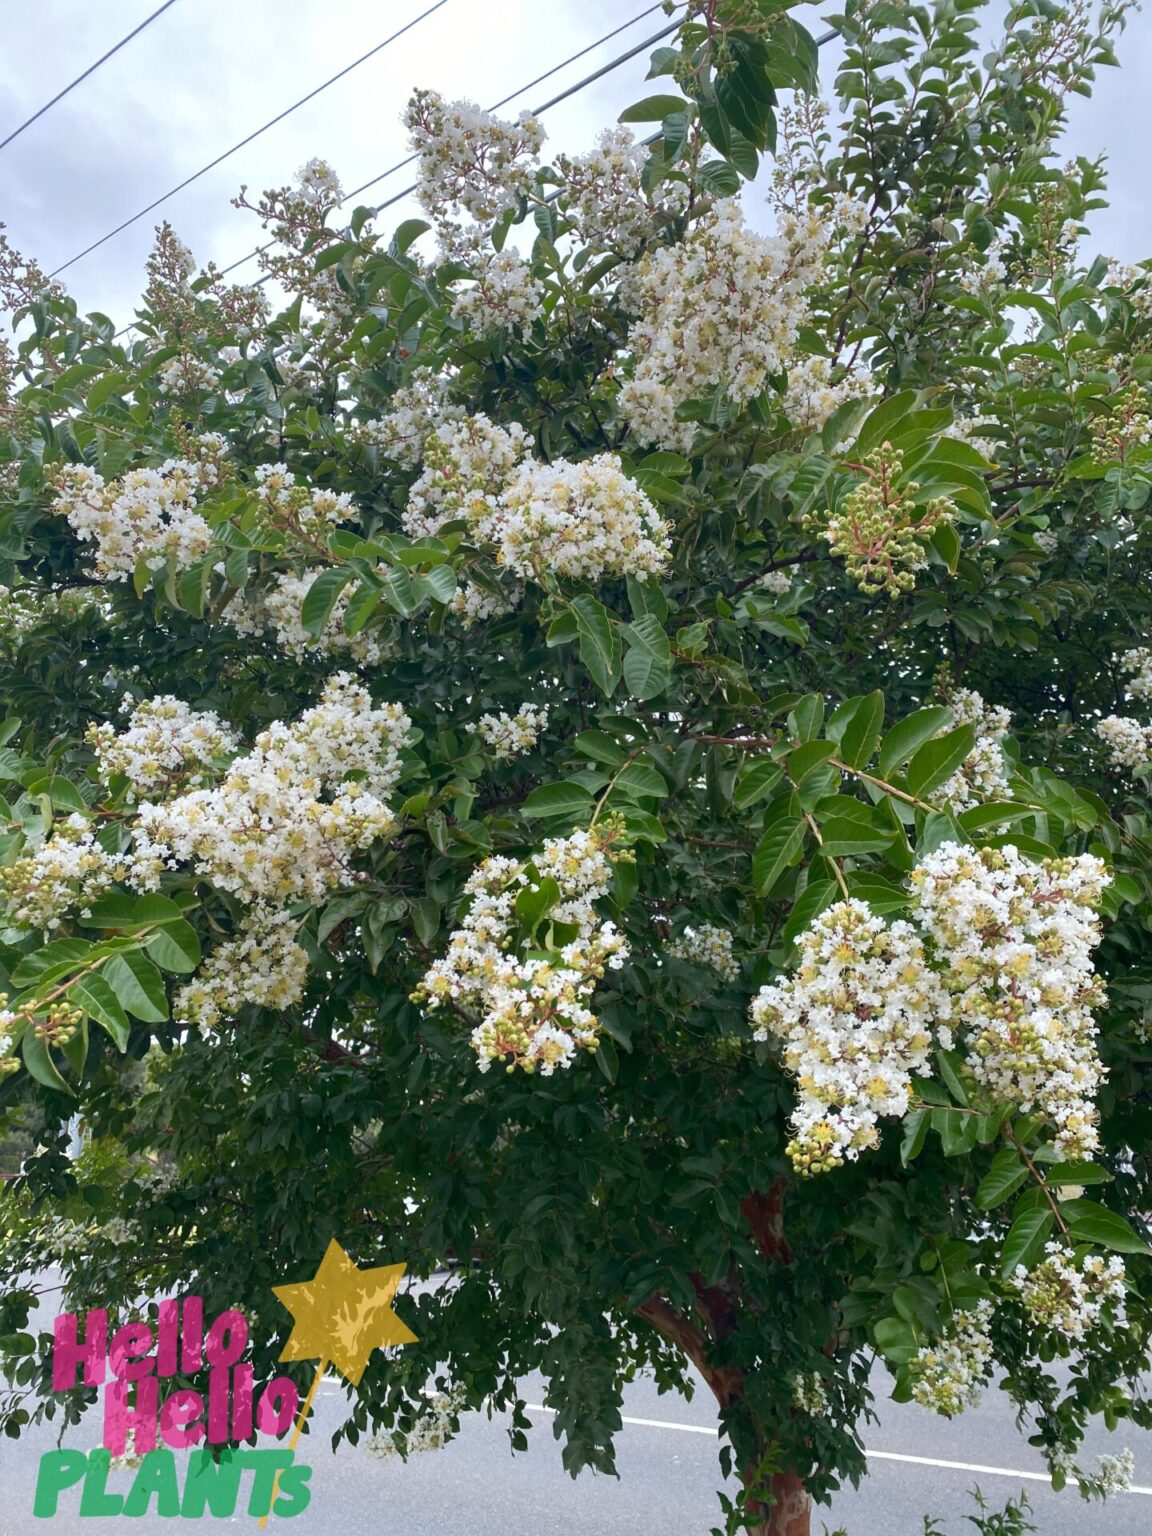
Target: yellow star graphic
343 1313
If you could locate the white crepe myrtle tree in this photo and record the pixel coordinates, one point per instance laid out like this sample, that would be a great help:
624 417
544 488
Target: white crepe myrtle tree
608 750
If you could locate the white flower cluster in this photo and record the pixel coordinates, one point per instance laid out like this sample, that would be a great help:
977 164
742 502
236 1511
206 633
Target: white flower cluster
723 307
307 512
857 1020
184 374
1014 941
810 397
1065 1299
433 1429
809 1394
417 409
70 869
504 295
120 1232
1136 283
1129 743
707 945
261 965
604 194
509 735
1114 1474
282 826
983 775
1007 962
585 520
264 833
318 183
281 605
776 582
147 515
978 278
532 1011
471 164
949 1374
166 745
1138 662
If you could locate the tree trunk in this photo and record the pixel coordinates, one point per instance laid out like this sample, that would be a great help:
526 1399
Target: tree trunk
791 1515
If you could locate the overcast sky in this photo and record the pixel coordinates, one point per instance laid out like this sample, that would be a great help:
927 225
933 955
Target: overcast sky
208 72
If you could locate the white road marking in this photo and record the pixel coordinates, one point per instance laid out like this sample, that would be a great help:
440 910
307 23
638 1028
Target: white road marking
919 1461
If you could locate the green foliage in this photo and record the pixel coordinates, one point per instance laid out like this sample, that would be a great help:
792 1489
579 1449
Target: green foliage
759 753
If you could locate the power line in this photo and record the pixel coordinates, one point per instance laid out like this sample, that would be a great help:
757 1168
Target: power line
495 107
212 164
91 70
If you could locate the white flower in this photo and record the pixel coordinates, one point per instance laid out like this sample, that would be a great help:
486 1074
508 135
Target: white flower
857 1021
504 294
533 1012
1065 1299
1014 940
265 832
509 735
707 945
604 194
949 1374
317 182
147 515
585 520
1114 1474
166 744
722 308
810 396
435 1426
69 870
1129 743
1138 661
472 166
262 965
416 410
983 775
809 1394
282 603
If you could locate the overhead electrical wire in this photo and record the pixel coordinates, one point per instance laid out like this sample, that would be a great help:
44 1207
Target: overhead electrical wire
271 123
91 70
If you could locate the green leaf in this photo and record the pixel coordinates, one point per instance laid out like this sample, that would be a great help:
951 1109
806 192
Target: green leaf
563 799
777 850
896 1339
653 109
533 901
879 423
131 913
175 948
841 836
755 782
916 1126
1076 1173
904 738
96 997
1004 1178
1092 1223
1025 1240
38 1060
719 178
320 599
862 731
806 719
648 661
54 960
937 760
600 747
600 648
641 779
138 986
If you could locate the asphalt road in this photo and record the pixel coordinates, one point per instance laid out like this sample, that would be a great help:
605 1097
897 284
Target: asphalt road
668 1478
